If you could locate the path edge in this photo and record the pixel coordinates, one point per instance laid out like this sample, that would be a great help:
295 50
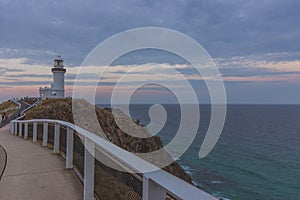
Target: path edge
5 161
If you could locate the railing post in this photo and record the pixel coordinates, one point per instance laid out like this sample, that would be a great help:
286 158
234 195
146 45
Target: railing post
20 129
26 131
12 125
69 156
89 168
16 128
56 138
45 134
34 134
152 191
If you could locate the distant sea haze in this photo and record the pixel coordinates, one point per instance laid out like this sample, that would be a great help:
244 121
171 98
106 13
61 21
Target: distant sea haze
257 156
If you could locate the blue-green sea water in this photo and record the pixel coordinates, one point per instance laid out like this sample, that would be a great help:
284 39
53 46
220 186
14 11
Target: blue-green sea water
256 157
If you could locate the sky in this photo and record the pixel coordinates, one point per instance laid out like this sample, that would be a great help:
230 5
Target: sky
255 45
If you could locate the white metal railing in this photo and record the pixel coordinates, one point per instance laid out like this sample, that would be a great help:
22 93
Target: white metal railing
156 184
22 114
16 102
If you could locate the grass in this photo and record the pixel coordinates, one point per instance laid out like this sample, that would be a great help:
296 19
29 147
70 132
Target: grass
30 101
109 183
8 105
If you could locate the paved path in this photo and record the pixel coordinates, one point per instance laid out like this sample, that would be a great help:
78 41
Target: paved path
34 172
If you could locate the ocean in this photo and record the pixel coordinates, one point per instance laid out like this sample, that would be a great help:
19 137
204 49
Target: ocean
256 157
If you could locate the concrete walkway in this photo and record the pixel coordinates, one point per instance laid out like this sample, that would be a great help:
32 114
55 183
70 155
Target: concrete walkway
34 172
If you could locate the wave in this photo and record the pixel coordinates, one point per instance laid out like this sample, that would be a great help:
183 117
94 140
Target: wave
188 169
219 196
216 182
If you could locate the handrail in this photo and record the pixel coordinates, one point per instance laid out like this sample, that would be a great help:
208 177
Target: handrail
22 114
156 184
16 102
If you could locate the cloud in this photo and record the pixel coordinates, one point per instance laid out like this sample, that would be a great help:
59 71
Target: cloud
4 70
224 28
267 67
30 76
239 73
270 67
30 56
254 43
42 83
23 83
249 72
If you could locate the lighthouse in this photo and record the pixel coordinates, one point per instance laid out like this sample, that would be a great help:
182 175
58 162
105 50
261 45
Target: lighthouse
57 89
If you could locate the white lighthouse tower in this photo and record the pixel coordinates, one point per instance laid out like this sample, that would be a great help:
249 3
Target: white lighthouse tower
57 89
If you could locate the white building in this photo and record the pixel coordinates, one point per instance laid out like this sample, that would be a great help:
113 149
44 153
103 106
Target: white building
57 89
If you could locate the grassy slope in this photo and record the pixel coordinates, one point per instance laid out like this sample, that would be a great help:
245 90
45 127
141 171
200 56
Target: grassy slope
30 101
6 105
61 109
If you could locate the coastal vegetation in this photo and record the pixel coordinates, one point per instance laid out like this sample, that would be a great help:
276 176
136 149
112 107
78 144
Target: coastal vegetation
8 107
111 183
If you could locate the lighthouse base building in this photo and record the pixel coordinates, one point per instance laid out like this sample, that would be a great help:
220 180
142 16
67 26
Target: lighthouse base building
57 89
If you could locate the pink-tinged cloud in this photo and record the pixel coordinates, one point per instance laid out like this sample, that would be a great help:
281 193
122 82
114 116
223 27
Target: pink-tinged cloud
291 78
285 66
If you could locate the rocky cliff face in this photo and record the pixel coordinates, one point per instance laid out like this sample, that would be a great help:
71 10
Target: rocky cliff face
61 109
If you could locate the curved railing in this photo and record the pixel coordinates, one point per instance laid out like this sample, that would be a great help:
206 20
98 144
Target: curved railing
16 102
22 114
156 184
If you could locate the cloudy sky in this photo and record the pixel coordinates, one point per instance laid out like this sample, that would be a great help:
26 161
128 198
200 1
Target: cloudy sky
255 45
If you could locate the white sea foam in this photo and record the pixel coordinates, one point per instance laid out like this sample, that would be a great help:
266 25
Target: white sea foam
216 182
